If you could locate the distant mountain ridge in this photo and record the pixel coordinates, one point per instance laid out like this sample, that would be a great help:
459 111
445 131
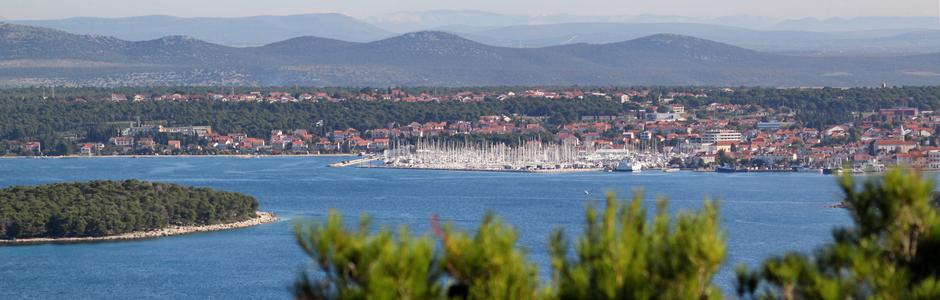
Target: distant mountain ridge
423 20
812 37
34 56
874 42
860 23
236 31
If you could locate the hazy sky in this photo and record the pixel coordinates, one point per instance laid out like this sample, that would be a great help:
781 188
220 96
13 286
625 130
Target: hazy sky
46 9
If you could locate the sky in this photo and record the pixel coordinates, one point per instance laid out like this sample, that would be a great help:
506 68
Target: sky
780 9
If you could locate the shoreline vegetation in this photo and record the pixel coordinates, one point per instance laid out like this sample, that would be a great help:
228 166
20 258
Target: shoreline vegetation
262 218
106 209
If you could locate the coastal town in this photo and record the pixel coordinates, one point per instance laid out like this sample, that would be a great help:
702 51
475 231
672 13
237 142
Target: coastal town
710 136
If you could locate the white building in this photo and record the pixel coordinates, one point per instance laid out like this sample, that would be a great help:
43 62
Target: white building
679 109
669 117
933 159
721 135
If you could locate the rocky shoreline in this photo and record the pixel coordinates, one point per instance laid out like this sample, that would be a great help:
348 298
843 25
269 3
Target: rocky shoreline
263 217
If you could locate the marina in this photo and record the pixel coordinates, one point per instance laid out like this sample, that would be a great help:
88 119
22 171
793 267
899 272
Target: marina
535 157
532 157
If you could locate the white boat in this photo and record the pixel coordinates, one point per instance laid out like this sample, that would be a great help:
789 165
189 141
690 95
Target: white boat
670 170
629 165
802 169
873 167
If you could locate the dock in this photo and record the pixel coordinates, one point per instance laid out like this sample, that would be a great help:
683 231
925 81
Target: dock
347 163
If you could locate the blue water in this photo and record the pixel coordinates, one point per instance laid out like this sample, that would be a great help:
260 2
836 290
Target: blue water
763 214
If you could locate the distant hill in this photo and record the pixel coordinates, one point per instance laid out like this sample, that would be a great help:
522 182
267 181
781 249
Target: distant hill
672 51
866 42
442 19
811 37
409 21
27 42
238 32
33 43
860 23
38 56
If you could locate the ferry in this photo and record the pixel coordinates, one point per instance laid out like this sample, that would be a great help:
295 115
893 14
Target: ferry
868 167
629 165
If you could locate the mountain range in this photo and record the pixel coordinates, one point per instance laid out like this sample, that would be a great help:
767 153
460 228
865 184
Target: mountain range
236 32
40 56
809 43
870 36
422 20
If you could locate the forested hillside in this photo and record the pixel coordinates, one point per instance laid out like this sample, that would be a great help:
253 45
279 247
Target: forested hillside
19 118
23 115
102 208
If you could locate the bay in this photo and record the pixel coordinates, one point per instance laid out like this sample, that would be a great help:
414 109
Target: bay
763 214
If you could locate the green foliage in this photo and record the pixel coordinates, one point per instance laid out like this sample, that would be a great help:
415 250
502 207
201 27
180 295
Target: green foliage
889 253
101 208
488 265
621 255
724 159
45 119
361 264
817 108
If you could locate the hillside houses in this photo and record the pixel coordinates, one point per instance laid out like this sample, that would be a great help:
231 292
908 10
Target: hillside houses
394 95
706 126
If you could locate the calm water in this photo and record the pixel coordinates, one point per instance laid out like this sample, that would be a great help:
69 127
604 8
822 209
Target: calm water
762 213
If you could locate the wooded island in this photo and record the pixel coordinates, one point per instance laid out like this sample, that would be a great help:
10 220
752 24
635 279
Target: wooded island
108 208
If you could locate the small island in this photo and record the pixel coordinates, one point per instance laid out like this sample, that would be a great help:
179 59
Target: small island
119 210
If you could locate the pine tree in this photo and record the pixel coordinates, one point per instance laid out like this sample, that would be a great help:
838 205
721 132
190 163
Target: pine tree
890 252
622 255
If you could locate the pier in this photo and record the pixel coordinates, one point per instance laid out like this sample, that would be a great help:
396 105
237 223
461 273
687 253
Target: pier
347 163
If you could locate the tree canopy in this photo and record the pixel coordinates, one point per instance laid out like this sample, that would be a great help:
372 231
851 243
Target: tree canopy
890 252
621 255
102 208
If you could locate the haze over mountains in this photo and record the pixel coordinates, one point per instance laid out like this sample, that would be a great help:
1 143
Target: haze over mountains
422 20
236 32
40 56
871 36
809 43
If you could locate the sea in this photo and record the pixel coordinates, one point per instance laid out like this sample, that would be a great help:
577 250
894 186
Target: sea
762 214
